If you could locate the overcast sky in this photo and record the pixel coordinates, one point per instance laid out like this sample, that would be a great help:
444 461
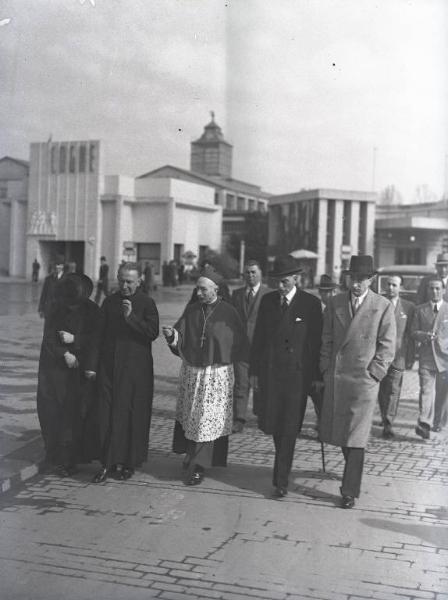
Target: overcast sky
303 89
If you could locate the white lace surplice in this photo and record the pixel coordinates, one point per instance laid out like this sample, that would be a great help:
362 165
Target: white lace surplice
205 402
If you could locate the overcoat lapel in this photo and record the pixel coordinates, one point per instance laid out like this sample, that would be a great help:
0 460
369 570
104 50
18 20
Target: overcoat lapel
343 312
355 320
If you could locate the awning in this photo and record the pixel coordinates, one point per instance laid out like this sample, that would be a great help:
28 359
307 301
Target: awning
302 253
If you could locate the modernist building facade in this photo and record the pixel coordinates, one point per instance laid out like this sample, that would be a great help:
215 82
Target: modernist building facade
327 225
411 233
62 204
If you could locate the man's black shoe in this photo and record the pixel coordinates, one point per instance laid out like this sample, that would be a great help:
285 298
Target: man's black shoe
422 431
101 476
125 473
347 502
280 492
388 432
196 477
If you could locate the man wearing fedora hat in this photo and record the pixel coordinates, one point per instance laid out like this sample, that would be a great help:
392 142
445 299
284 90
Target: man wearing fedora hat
284 363
358 345
423 292
327 288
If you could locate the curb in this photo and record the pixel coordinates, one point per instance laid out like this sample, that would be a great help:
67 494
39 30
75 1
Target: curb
34 466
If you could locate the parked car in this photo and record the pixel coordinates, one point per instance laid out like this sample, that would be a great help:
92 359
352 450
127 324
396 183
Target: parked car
411 274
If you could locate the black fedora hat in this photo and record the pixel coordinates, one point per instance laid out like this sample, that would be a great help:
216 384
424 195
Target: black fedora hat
361 264
326 283
442 259
284 266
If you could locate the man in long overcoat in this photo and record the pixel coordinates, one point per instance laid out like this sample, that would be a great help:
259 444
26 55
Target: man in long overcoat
246 300
358 345
284 363
130 323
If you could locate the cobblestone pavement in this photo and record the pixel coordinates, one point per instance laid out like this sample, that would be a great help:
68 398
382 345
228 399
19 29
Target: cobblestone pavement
152 537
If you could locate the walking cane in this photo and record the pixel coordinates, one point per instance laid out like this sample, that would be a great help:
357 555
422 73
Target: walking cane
322 452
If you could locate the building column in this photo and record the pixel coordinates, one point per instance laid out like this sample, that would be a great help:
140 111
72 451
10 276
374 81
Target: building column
354 226
17 240
337 237
322 237
169 247
370 227
117 233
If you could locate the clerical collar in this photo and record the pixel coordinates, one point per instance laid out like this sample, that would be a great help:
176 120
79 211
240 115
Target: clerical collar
254 289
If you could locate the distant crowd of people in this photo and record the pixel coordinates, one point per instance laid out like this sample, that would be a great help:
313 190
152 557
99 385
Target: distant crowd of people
346 350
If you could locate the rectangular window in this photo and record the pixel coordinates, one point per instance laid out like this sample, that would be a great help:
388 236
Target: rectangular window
230 202
3 192
240 203
251 205
408 256
72 159
202 253
82 158
178 251
92 158
53 160
62 159
149 253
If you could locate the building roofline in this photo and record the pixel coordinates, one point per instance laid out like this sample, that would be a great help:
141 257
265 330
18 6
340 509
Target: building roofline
223 183
325 194
21 162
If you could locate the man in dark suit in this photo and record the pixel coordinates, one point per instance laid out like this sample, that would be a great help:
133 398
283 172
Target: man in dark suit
284 363
246 300
390 386
49 293
430 329
441 265
102 286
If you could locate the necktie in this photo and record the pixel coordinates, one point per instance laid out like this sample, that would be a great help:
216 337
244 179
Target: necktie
250 296
436 310
355 305
284 304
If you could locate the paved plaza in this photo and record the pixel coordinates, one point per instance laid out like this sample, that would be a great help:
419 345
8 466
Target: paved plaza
152 537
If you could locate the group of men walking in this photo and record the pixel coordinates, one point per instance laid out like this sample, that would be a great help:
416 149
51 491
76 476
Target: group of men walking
345 350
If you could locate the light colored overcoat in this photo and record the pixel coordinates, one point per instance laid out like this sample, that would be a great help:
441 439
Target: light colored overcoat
355 355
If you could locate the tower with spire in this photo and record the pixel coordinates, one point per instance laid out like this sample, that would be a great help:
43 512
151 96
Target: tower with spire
211 154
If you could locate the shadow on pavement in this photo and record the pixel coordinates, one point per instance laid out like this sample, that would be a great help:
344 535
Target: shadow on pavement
434 535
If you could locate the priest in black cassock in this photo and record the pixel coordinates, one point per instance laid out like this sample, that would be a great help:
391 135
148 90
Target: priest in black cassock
209 338
130 323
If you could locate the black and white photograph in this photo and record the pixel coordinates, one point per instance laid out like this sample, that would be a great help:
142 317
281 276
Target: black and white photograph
224 299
